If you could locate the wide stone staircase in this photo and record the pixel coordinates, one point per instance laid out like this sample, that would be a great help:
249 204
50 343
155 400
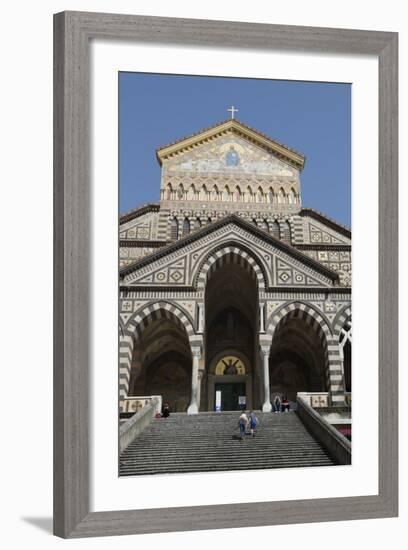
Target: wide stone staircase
209 442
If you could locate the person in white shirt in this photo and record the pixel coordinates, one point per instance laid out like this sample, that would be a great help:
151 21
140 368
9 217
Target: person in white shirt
243 424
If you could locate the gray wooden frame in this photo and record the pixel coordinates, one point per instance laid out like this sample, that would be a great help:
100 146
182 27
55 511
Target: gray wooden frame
72 34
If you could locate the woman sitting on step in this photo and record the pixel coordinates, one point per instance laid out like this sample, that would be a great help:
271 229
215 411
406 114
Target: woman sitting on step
285 404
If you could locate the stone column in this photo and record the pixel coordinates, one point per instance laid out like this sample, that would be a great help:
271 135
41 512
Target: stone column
266 407
336 375
195 382
126 343
261 317
200 318
200 382
180 227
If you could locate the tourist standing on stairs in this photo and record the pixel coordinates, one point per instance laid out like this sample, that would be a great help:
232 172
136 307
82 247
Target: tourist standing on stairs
243 424
277 403
253 422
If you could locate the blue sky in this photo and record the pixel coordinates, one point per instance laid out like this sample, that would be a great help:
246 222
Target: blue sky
312 117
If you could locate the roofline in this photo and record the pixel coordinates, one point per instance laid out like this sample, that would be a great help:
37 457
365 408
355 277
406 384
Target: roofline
142 243
139 211
346 290
283 151
329 221
289 249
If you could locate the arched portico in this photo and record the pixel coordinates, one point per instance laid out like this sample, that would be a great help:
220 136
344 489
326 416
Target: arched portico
303 353
159 354
230 280
298 359
230 253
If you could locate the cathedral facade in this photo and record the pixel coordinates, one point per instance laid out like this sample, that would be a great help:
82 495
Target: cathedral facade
230 291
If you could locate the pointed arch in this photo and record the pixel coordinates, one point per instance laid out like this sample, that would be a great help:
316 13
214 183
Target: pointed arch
238 194
303 309
287 331
260 195
281 196
159 310
230 253
191 195
135 327
180 191
248 194
271 196
286 232
318 321
215 193
203 193
169 192
226 194
186 227
174 229
274 229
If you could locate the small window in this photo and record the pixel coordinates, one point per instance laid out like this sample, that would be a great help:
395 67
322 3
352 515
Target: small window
186 227
174 229
275 230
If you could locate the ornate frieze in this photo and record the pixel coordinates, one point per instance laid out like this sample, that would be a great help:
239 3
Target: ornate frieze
338 261
228 155
179 268
315 232
142 227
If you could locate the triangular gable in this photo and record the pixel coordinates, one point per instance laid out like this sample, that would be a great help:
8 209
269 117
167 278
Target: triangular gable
141 227
177 264
210 158
254 136
328 227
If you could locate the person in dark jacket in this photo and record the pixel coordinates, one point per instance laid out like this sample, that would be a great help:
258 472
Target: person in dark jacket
253 422
166 409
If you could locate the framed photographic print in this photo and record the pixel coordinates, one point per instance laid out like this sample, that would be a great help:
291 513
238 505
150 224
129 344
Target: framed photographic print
207 176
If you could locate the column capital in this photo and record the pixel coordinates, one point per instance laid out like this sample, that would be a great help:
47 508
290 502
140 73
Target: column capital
265 350
196 351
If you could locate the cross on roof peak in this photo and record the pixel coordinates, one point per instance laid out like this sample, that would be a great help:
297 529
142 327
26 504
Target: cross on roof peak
232 110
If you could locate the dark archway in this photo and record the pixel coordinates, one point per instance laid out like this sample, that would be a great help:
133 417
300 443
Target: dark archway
231 311
162 364
345 344
347 366
297 361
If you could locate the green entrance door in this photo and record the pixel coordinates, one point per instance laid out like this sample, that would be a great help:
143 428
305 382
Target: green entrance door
230 393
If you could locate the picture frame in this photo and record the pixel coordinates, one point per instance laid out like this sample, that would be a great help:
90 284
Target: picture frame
73 32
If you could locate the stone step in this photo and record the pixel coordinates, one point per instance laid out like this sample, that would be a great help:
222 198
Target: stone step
231 463
232 444
282 450
197 467
210 442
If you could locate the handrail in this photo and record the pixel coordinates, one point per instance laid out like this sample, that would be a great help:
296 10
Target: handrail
338 446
